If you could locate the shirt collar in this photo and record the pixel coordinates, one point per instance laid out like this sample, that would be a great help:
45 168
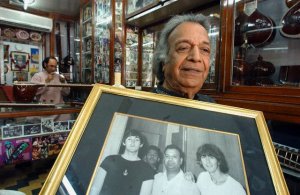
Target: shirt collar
161 90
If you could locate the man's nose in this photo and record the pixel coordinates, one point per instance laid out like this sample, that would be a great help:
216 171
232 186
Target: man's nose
194 54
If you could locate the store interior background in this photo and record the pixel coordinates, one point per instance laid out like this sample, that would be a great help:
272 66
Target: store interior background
104 41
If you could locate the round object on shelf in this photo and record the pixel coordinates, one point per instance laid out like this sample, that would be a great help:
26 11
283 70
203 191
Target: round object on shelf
35 36
22 34
9 33
262 68
24 92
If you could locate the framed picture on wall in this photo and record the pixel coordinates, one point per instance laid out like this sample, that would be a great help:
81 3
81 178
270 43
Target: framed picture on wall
35 55
19 61
112 118
20 76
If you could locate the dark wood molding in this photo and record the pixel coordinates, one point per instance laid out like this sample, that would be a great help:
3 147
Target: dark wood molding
38 112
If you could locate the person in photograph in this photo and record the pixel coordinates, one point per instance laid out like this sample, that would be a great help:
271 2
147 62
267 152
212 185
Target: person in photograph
51 95
181 60
153 157
172 181
215 179
125 174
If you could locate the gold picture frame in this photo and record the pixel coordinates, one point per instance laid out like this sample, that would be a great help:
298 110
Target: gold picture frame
75 170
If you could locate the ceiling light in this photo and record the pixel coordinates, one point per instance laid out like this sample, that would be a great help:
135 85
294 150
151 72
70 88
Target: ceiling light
27 2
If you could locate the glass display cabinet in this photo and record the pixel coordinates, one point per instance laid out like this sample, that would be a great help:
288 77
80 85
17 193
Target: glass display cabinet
259 55
266 44
102 40
87 62
148 46
76 68
139 58
131 65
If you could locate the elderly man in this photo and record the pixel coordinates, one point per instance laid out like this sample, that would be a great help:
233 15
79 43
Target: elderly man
182 57
172 181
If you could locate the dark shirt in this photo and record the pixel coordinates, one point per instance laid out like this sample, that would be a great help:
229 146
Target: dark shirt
161 90
123 176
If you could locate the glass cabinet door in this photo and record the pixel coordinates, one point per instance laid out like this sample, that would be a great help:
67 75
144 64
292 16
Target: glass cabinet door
147 55
131 67
103 22
87 41
266 43
76 68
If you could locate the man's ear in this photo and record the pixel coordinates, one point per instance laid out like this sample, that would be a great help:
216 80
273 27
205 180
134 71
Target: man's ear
123 143
181 161
45 65
141 145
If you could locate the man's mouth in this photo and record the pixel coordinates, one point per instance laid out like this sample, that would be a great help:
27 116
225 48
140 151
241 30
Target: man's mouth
190 70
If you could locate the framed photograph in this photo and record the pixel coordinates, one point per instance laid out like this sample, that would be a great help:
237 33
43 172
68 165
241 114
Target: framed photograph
32 129
20 76
61 126
19 61
35 55
100 135
47 125
12 131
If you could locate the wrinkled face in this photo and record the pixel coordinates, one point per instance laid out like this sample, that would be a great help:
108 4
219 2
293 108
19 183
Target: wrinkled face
51 66
189 57
210 163
152 157
172 160
132 144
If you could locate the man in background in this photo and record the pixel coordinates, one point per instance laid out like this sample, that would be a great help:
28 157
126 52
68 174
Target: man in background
51 95
153 157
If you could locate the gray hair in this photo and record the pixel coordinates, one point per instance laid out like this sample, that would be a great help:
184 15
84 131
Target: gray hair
162 49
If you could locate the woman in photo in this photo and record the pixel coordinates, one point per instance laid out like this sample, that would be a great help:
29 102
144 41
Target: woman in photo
215 179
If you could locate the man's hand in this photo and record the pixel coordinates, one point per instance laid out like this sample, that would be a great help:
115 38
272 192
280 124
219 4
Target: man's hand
189 176
62 78
49 78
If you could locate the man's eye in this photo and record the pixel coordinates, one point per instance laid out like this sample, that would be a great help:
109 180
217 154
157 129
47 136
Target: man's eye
183 48
205 51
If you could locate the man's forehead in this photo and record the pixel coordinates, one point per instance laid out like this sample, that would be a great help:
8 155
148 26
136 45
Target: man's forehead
133 136
172 150
183 30
152 151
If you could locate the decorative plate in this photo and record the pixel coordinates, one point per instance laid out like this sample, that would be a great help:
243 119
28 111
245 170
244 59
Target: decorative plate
8 32
22 34
35 36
